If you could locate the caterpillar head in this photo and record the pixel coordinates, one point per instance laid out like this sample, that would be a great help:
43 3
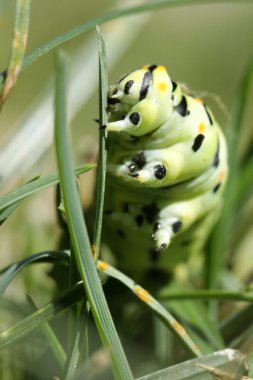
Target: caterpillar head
148 82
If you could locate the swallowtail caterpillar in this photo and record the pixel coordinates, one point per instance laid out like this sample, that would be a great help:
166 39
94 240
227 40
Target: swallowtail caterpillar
167 168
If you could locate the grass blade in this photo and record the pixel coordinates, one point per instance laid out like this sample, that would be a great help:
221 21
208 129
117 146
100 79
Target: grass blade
34 186
195 315
78 232
18 47
151 302
219 241
237 323
114 14
44 314
79 331
230 328
52 339
9 273
229 360
10 201
68 298
245 185
101 170
17 163
75 349
207 294
4 214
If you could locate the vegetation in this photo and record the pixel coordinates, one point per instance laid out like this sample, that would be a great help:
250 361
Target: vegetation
89 325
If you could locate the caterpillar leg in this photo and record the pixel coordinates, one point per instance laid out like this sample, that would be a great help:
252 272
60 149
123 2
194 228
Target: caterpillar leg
154 168
179 217
142 118
163 231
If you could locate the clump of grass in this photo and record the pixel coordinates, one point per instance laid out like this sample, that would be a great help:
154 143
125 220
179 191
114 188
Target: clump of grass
201 330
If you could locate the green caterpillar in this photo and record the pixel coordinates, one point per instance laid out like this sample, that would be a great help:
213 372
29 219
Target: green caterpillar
167 168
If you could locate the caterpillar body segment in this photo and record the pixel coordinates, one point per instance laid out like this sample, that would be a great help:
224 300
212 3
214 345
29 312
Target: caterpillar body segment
167 168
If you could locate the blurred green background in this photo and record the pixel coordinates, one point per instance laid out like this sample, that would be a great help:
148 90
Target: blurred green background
207 47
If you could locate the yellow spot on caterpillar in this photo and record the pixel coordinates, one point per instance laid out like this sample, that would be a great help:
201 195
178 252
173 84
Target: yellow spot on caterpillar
162 86
102 265
202 127
142 294
179 328
93 250
221 175
145 67
199 100
160 68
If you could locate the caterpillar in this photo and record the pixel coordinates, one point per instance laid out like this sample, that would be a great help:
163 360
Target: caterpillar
166 171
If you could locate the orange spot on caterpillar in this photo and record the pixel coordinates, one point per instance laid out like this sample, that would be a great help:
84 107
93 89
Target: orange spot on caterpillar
202 127
161 86
199 100
142 294
179 328
93 250
221 175
102 265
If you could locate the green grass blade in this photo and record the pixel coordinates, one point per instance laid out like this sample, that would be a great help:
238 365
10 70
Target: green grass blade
54 342
34 186
52 339
78 231
222 232
74 352
9 273
101 170
237 323
151 302
234 129
77 321
245 185
230 328
4 214
195 313
207 294
18 47
44 314
114 14
231 362
77 343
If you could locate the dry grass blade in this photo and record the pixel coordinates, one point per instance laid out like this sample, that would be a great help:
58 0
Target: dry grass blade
218 374
18 47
